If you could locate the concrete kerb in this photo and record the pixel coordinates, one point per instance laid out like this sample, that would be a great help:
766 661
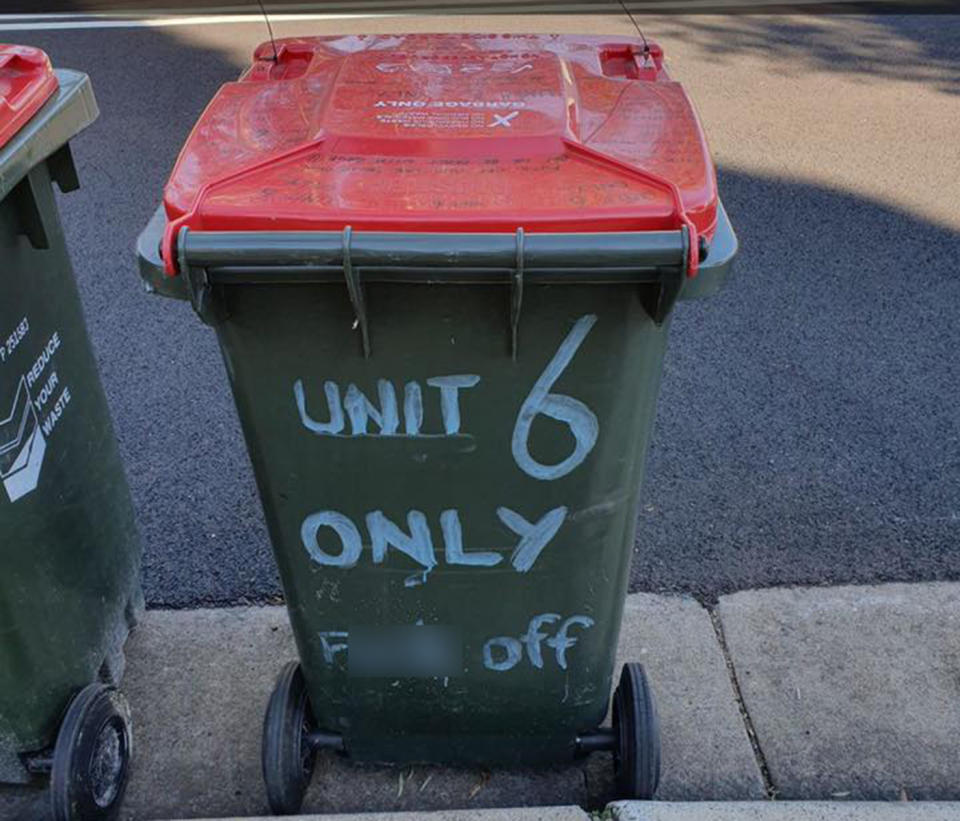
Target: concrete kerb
785 811
679 811
505 814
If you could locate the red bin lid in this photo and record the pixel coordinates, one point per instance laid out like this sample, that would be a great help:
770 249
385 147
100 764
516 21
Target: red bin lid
26 82
447 132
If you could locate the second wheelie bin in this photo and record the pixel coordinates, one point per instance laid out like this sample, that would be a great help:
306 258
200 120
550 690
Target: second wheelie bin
441 269
70 551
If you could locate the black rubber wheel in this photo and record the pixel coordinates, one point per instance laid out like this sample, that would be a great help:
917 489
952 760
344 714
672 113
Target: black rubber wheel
636 758
91 759
287 757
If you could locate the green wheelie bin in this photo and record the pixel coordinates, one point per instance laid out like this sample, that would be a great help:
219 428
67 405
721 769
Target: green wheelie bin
441 269
70 589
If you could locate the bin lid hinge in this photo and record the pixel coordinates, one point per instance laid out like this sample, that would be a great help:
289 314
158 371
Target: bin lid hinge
516 296
355 290
201 291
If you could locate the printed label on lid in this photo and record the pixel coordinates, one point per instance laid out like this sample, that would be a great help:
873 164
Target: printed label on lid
414 90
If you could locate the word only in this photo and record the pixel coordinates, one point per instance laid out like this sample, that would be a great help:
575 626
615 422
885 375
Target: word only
417 541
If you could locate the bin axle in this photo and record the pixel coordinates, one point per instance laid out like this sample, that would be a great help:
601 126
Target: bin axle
600 740
39 763
323 740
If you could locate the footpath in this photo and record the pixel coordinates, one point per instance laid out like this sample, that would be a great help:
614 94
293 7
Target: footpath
844 696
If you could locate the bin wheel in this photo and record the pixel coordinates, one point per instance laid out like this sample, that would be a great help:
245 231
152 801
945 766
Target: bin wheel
636 757
286 753
91 757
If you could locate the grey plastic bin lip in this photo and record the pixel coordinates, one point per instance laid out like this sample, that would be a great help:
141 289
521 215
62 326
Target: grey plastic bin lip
278 258
70 109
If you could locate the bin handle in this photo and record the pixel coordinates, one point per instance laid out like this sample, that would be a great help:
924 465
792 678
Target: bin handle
214 260
283 257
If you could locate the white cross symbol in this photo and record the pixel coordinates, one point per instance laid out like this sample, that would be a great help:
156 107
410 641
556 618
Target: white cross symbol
503 120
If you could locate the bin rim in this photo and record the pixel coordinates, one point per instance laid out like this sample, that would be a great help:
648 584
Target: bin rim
214 260
29 83
69 110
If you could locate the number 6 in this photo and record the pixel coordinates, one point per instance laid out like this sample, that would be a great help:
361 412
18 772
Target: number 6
577 416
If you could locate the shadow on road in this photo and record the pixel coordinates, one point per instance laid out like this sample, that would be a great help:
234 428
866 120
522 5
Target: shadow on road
807 430
919 48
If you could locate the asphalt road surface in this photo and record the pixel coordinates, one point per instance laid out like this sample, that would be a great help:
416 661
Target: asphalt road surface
809 422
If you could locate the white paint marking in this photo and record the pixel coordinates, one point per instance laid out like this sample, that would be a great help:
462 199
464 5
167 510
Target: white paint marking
453 544
417 545
449 387
581 421
92 21
343 527
510 648
533 536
